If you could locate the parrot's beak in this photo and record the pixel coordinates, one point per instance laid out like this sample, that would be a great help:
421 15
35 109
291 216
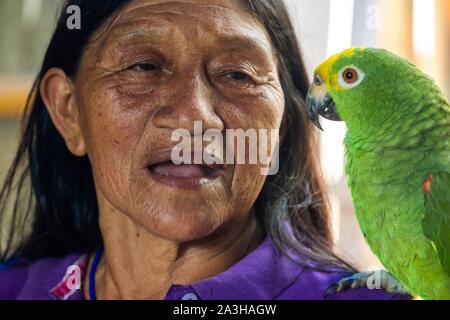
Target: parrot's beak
319 102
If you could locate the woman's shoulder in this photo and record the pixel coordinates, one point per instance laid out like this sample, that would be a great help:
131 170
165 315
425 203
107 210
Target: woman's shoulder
268 274
35 279
13 274
312 284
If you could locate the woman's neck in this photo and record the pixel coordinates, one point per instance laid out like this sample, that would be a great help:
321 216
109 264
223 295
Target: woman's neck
136 264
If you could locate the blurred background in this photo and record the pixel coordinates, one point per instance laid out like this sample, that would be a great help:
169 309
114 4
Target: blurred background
418 30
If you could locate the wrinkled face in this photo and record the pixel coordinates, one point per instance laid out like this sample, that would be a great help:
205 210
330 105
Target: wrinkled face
156 67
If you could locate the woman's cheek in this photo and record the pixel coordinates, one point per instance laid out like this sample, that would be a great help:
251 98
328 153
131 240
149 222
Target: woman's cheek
113 134
262 109
261 112
261 115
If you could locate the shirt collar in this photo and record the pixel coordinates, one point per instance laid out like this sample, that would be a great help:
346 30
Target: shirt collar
261 275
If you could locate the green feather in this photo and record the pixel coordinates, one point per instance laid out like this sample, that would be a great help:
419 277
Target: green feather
436 223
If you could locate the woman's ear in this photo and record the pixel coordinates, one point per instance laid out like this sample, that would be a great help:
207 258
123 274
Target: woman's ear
57 93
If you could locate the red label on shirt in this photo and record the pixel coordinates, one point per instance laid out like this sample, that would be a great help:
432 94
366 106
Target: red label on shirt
72 280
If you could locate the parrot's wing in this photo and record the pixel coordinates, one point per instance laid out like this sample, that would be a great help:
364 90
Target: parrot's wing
436 223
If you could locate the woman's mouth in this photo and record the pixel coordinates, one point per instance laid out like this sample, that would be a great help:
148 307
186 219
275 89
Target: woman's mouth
183 176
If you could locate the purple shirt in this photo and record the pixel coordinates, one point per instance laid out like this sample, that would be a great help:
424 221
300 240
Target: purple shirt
262 275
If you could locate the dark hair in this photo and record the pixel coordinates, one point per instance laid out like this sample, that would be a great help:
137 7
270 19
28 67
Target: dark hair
51 193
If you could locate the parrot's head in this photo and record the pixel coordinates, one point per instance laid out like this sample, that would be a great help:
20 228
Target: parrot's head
354 86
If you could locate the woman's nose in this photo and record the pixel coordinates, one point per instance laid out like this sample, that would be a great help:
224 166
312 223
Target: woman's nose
191 101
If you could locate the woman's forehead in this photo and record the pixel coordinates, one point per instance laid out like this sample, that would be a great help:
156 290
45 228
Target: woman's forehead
190 8
227 20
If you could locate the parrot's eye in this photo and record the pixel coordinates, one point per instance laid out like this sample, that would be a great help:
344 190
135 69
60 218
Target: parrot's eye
349 77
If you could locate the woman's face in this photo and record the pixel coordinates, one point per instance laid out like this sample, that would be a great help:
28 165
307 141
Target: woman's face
156 67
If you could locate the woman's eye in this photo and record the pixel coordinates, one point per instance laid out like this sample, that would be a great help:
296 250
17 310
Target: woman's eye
238 76
144 67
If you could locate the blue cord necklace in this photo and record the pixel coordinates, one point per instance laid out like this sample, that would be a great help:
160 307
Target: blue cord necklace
98 256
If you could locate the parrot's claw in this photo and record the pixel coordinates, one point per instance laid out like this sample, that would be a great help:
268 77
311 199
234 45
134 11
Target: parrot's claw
377 279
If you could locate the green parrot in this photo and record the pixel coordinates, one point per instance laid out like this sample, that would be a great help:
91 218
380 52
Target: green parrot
398 161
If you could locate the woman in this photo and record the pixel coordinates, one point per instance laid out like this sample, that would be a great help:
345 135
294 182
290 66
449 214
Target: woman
112 217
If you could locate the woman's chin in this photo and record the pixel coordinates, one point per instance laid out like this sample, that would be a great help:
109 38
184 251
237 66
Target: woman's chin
182 227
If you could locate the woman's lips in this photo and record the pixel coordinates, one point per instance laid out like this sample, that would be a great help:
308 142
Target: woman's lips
184 176
180 171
